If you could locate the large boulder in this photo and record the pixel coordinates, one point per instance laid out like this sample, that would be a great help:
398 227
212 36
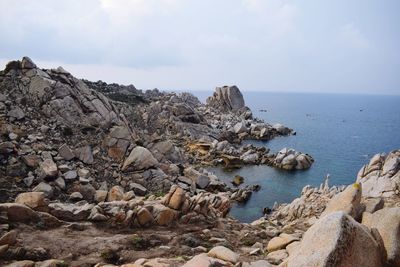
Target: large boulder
140 158
223 253
347 201
387 222
34 200
226 98
381 176
337 240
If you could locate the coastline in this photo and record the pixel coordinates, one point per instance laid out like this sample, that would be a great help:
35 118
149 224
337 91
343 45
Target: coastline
104 158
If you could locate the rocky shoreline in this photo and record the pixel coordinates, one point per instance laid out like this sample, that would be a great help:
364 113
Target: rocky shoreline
97 174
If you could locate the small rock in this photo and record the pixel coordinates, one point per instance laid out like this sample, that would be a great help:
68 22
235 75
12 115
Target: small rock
76 196
237 180
65 152
49 168
9 238
138 189
16 113
116 193
45 188
100 195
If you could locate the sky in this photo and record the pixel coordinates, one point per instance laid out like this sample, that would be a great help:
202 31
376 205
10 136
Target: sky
341 46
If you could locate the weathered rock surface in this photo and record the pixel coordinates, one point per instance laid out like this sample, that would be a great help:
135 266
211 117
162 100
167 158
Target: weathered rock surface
381 176
347 201
337 240
387 222
223 253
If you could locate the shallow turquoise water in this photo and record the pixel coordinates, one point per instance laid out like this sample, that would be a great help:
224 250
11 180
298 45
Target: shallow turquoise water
340 131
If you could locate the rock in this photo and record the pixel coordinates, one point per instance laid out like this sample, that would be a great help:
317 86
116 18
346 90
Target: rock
280 242
373 204
45 188
3 250
6 148
9 238
71 212
83 173
387 222
100 195
71 175
240 127
75 196
49 168
291 248
223 253
202 181
65 152
116 193
25 263
202 260
237 180
381 176
19 212
85 154
144 217
226 98
177 198
31 160
276 257
259 263
16 113
163 215
60 183
34 200
337 240
348 201
167 151
118 142
140 158
138 189
27 63
281 129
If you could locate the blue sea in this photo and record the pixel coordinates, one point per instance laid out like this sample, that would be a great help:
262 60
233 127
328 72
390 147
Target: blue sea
340 131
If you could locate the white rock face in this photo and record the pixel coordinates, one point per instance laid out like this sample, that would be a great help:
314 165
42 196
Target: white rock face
337 240
381 176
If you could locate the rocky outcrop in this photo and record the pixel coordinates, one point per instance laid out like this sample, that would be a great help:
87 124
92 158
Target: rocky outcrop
58 94
289 159
381 176
226 98
337 240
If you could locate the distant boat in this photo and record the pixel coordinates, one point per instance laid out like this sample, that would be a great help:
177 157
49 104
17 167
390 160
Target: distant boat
263 110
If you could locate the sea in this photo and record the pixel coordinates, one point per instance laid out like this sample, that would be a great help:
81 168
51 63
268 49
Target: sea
341 132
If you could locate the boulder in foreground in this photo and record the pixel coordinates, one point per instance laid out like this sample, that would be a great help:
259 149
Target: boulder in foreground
337 240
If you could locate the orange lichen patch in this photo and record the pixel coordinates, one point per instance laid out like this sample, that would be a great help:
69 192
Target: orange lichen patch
202 148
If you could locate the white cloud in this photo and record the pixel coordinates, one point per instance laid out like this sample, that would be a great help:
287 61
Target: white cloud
350 35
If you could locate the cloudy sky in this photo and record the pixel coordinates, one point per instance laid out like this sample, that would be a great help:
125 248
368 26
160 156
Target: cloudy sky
272 45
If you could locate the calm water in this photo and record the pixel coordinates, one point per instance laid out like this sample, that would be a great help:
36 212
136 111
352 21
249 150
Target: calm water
341 132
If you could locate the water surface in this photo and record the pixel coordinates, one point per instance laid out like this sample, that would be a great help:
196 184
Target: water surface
340 131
